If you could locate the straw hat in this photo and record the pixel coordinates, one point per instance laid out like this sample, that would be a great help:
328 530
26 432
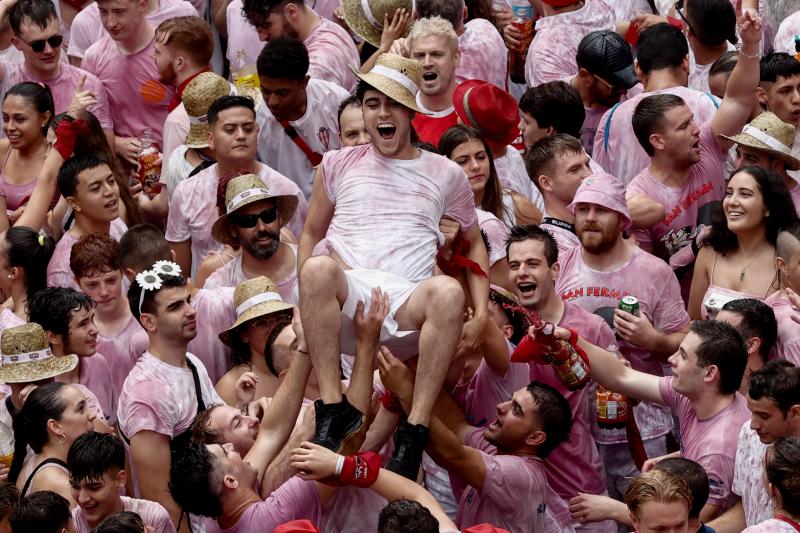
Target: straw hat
197 97
365 17
767 133
520 321
26 355
255 298
397 77
244 190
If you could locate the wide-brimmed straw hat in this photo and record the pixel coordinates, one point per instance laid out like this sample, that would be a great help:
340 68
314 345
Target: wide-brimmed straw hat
490 110
397 77
242 191
767 133
255 298
26 355
197 97
365 17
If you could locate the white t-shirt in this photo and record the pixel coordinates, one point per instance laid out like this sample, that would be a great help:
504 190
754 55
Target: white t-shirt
747 477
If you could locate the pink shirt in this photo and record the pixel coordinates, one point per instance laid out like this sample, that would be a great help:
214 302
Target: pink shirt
590 125
318 127
231 274
294 500
688 207
153 514
193 210
787 346
63 88
512 174
481 45
243 42
507 476
87 27
496 232
771 526
122 351
748 480
659 300
575 465
616 148
784 38
710 442
8 319
59 273
137 99
331 53
96 376
403 201
215 313
551 55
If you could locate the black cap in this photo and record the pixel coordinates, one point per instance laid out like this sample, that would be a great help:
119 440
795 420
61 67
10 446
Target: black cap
608 56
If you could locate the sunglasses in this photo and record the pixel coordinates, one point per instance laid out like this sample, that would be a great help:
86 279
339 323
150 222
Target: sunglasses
267 216
38 45
679 5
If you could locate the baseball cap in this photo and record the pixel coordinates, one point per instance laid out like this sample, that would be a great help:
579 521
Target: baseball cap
607 55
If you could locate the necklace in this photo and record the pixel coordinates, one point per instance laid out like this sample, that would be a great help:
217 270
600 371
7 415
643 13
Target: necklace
745 267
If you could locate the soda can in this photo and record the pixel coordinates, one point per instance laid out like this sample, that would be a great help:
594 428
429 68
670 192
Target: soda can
630 304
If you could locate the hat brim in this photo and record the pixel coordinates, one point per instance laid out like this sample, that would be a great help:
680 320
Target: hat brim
287 205
743 139
627 219
390 88
257 311
37 370
354 17
622 79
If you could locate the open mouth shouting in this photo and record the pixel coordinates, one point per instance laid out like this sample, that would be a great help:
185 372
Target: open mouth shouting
386 130
526 289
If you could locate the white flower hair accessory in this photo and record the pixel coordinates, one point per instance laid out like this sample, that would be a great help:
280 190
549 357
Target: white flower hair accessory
151 280
148 280
167 268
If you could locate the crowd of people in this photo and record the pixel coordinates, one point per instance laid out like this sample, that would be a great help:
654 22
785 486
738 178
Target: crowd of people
380 265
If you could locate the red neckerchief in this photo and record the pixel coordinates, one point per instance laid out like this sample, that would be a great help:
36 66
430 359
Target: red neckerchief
176 100
788 521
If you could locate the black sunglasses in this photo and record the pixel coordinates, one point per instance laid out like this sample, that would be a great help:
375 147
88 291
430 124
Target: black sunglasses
267 216
679 10
38 45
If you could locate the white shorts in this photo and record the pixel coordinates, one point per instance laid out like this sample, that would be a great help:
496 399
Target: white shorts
360 282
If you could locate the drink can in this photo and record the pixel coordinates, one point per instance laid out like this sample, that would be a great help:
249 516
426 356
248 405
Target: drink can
630 304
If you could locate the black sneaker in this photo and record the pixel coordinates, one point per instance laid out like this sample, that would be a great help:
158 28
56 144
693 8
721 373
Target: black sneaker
336 423
409 443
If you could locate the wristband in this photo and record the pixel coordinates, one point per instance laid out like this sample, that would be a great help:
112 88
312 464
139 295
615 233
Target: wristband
67 134
526 351
390 402
339 465
360 470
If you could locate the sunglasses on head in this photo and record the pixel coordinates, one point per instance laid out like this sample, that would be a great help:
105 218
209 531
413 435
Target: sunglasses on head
38 45
679 6
267 216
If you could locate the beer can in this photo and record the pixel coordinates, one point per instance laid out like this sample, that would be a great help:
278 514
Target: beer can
630 304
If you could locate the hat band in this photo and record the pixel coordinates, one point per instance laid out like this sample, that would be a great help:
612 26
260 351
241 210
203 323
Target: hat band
767 139
368 13
472 122
394 75
27 357
242 196
202 120
257 299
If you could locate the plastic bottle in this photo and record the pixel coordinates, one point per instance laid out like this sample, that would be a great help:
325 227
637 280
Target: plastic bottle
247 78
6 445
523 21
149 164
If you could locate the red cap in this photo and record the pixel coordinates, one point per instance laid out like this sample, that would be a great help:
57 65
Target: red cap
484 528
297 526
490 110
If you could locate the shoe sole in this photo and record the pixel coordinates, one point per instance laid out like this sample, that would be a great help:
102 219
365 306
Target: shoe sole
350 435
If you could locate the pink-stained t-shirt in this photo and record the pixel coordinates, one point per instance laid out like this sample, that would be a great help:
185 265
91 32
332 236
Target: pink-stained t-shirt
773 525
352 510
153 514
243 42
496 232
710 442
122 351
59 273
784 38
659 300
616 148
215 312
231 274
318 127
627 9
63 88
483 54
8 319
403 200
479 395
331 53
193 210
787 346
563 232
512 174
95 375
575 465
748 481
87 27
294 500
589 128
173 134
506 476
137 99
551 55
698 74
690 206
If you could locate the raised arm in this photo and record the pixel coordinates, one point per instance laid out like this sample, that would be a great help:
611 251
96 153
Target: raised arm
320 213
151 456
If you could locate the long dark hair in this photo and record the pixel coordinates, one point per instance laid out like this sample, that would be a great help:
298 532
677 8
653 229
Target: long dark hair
39 96
30 251
95 143
30 423
777 202
493 193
